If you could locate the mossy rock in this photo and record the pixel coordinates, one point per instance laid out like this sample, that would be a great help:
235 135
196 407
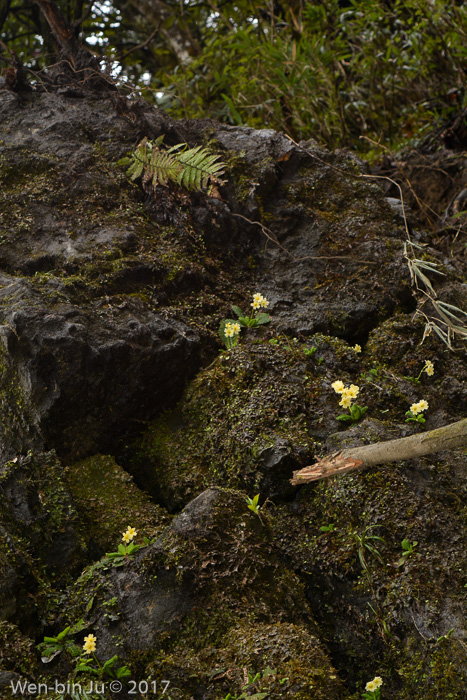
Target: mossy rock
249 402
40 532
18 659
109 501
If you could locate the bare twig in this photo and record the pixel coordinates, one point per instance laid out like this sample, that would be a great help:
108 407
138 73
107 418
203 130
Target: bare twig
271 237
447 438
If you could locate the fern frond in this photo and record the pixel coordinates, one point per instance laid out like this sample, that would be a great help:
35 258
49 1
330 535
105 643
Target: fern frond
139 160
192 168
200 167
163 167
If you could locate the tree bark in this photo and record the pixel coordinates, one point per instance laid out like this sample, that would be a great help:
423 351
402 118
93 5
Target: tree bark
445 438
77 65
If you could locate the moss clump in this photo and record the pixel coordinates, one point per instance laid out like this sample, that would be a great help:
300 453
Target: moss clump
39 520
108 501
18 421
295 662
17 653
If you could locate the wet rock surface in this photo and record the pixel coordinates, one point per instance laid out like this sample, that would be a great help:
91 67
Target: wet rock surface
118 410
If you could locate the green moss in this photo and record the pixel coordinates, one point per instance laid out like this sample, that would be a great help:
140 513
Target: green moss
17 416
109 501
37 512
438 671
17 652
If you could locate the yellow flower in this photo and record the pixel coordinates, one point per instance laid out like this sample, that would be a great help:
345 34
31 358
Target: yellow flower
338 386
378 681
131 531
357 348
257 300
231 329
429 369
422 405
371 686
345 402
353 391
415 408
89 644
127 537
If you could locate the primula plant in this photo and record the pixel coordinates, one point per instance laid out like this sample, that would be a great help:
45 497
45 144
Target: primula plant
126 550
372 688
90 664
229 329
348 394
428 368
416 412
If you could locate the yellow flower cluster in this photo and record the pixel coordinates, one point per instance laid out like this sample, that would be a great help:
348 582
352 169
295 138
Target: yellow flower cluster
259 301
231 329
89 644
417 408
129 534
373 685
357 348
348 393
429 369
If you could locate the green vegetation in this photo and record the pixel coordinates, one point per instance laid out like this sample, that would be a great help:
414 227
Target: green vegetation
331 71
191 168
229 330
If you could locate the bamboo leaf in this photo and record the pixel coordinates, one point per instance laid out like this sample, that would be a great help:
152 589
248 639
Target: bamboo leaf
428 266
424 279
450 306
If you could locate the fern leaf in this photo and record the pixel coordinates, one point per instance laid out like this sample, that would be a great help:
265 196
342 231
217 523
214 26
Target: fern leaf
164 167
200 167
135 170
192 168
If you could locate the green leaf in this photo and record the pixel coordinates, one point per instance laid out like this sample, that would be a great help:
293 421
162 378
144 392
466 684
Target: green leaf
268 671
344 417
85 667
236 117
238 311
110 663
123 672
261 319
192 168
63 634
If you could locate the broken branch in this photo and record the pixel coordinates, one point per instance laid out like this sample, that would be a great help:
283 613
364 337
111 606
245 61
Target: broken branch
446 438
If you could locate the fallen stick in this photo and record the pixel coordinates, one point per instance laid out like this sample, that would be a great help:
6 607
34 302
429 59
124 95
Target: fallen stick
446 438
